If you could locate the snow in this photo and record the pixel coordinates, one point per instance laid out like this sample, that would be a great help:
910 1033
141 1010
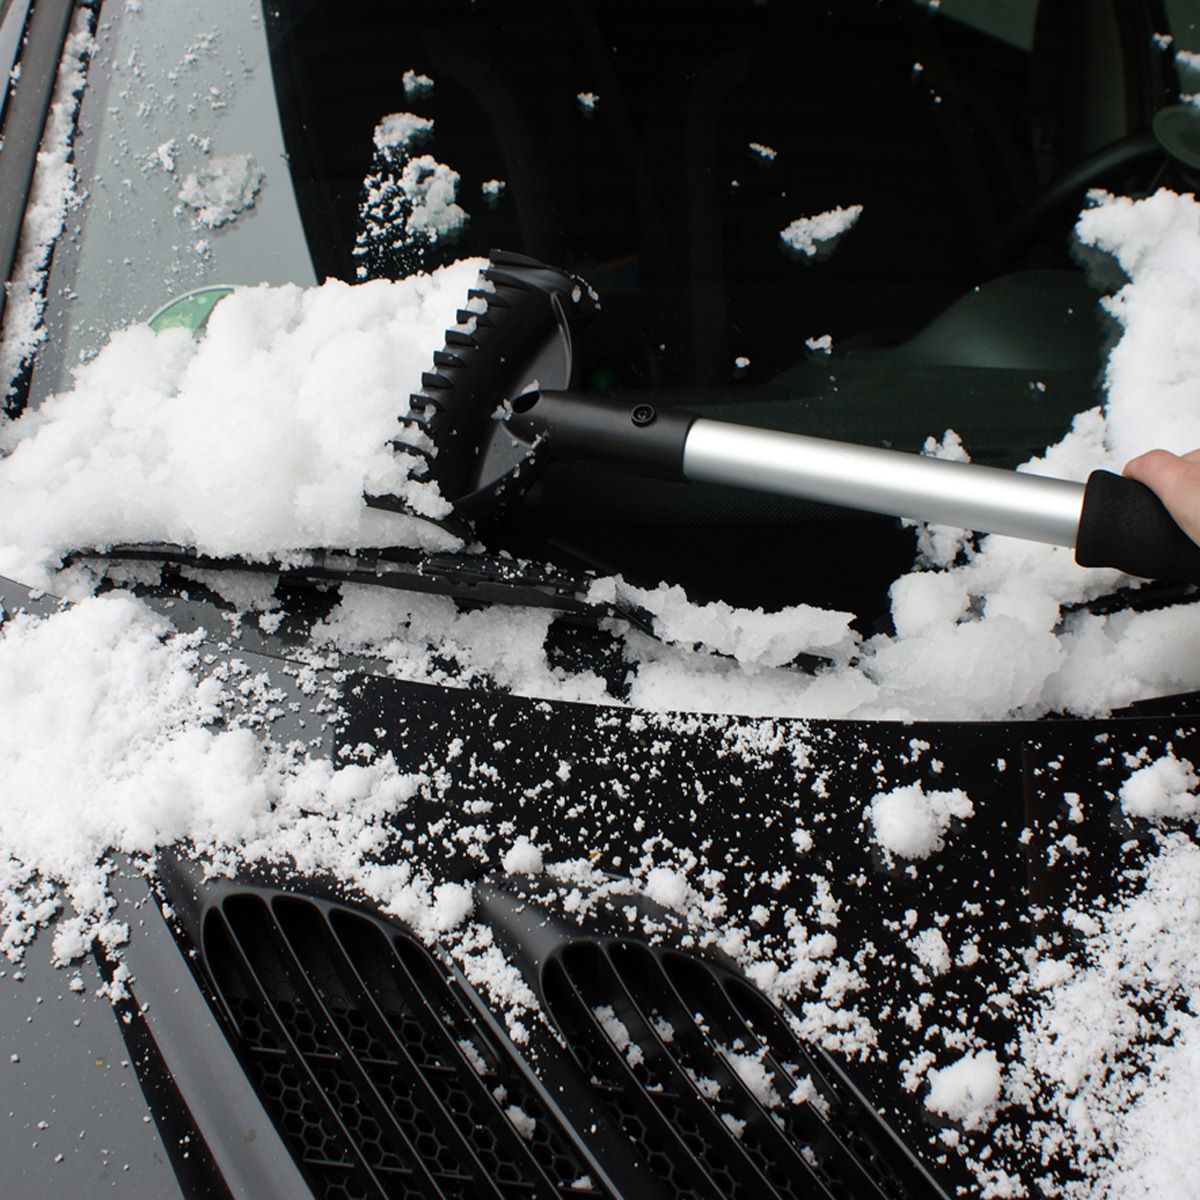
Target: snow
151 415
1165 788
1107 1062
109 743
666 887
930 950
910 823
522 1122
430 639
995 608
522 858
416 84
967 1090
735 1125
618 1034
53 194
409 202
259 438
755 1075
432 187
1153 373
805 234
755 638
222 189
399 131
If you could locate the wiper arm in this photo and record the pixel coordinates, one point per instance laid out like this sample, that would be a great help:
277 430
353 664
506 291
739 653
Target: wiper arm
480 579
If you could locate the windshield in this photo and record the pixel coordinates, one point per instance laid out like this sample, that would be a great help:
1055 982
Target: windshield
850 220
664 152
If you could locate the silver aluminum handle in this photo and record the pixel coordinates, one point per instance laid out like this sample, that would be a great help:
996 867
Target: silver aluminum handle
965 495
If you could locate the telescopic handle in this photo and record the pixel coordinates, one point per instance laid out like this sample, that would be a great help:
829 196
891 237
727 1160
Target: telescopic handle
1125 525
1110 522
872 479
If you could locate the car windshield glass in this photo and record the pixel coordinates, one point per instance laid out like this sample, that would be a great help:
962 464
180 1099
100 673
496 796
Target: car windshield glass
677 155
674 155
849 220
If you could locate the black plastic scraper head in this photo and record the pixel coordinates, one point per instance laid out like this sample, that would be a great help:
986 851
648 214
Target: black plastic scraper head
514 334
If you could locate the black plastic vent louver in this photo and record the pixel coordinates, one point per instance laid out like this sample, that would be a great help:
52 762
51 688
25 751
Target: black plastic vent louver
717 1095
383 1080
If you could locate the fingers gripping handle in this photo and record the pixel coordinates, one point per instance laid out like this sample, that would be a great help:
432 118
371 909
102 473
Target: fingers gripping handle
1125 525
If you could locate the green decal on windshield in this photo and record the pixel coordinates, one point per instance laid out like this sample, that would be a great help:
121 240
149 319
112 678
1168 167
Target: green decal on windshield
189 311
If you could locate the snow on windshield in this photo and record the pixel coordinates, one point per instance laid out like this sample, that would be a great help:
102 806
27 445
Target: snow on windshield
259 438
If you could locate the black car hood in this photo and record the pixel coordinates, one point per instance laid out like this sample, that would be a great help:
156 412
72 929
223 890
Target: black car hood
772 816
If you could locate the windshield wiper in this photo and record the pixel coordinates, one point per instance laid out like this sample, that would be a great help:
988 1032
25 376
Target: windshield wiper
470 578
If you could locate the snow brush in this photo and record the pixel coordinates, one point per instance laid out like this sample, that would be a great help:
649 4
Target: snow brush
498 406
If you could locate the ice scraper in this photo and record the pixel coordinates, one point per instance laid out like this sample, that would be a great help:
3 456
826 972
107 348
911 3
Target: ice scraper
499 404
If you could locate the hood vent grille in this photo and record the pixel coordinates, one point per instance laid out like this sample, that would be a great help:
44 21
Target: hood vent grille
705 1078
382 1080
674 1078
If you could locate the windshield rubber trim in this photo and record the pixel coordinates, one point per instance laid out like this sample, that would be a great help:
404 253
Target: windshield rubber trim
45 35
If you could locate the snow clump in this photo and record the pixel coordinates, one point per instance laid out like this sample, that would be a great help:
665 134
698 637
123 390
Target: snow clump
522 858
1165 788
910 823
416 84
755 638
224 188
668 888
805 234
432 189
409 203
968 1090
398 131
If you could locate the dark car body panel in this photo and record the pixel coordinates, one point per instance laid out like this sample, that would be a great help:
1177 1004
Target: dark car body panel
731 787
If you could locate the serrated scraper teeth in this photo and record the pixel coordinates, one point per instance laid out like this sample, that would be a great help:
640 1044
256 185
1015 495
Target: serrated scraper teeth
506 279
524 306
414 422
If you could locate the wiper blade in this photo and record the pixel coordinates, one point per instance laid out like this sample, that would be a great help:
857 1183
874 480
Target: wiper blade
1132 598
476 579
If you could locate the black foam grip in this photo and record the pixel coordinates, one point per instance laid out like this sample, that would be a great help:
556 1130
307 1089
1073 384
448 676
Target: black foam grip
1125 525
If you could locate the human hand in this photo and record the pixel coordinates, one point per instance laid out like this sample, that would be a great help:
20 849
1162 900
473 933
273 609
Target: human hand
1175 480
